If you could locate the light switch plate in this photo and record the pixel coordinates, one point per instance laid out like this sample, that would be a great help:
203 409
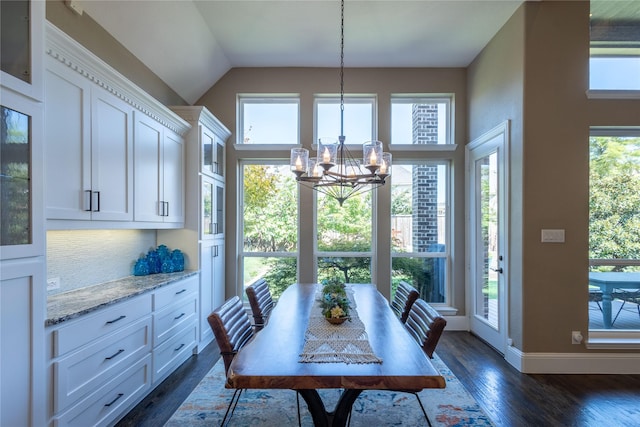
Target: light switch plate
553 236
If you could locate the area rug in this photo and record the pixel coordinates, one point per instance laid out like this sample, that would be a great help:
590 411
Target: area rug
206 405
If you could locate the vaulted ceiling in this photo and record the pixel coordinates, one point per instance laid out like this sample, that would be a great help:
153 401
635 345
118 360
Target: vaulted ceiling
190 44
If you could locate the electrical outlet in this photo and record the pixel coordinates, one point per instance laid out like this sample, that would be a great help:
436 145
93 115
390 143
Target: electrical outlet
53 283
576 337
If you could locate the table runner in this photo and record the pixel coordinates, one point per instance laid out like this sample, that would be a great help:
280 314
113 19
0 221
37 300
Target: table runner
328 343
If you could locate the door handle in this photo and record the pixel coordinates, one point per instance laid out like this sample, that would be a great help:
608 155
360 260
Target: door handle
499 270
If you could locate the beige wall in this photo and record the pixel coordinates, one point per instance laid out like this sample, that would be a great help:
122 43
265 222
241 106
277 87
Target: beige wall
221 100
495 92
545 49
93 37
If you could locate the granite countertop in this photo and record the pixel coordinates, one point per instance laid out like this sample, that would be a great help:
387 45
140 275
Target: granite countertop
70 305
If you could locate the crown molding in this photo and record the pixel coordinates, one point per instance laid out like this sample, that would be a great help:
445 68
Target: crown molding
67 51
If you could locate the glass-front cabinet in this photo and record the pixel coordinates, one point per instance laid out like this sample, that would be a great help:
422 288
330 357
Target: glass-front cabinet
21 41
15 178
20 211
212 154
212 208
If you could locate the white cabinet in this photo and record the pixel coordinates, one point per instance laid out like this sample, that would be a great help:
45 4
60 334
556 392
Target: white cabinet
88 150
93 118
159 173
175 327
211 284
103 363
22 242
202 238
90 352
22 391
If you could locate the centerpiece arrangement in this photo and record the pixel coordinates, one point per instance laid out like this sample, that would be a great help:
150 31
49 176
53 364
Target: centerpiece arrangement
335 304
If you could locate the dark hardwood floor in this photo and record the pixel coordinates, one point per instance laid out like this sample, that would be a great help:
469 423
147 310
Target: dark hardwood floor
509 397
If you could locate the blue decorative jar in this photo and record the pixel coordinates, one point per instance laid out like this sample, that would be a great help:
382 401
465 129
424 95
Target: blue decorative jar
177 257
141 267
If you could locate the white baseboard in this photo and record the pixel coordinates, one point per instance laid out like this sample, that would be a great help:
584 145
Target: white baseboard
573 363
457 323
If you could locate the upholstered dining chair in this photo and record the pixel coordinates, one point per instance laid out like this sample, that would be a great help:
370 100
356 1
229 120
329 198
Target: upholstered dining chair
260 301
403 299
232 329
425 325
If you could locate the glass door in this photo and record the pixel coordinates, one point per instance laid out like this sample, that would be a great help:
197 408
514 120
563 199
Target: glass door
486 176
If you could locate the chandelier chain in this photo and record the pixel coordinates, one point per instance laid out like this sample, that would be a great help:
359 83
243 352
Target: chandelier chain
335 172
342 70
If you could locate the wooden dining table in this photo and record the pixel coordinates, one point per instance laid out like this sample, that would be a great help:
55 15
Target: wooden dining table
271 360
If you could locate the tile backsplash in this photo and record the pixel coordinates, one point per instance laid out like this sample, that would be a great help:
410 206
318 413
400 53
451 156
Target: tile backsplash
81 258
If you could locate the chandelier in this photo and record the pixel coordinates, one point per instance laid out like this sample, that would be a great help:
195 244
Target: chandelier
335 172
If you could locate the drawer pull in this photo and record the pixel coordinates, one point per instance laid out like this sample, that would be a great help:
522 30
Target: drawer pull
179 347
114 400
114 355
115 320
177 317
179 292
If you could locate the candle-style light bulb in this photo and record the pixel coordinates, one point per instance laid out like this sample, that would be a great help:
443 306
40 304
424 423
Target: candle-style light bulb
298 163
383 167
373 159
326 156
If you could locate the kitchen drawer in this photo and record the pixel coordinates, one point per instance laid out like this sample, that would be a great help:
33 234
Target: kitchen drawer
99 324
108 403
174 318
171 293
172 353
87 369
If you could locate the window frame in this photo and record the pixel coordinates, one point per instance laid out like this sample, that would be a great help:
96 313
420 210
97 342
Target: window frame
242 253
446 98
612 338
448 221
244 99
370 99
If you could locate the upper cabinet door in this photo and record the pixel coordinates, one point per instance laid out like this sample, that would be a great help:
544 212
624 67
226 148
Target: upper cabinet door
147 169
68 143
207 145
111 157
173 177
21 44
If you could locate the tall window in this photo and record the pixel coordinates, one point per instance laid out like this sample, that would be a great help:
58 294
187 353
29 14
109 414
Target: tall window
269 225
344 234
615 45
419 228
614 221
344 238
